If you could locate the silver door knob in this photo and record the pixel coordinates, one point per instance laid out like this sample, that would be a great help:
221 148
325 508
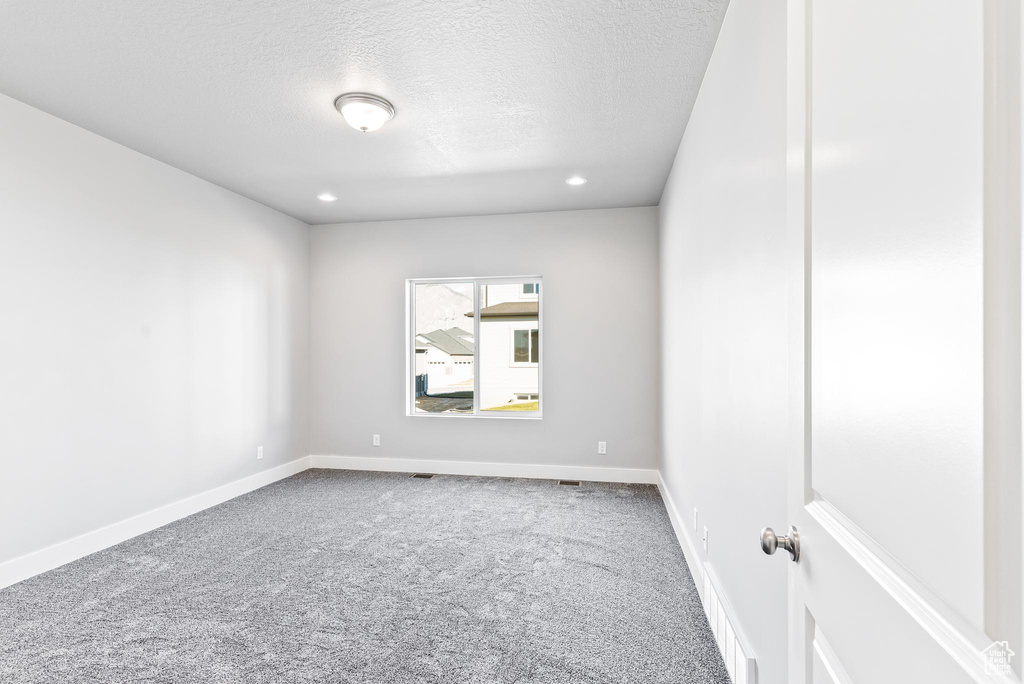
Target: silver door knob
770 542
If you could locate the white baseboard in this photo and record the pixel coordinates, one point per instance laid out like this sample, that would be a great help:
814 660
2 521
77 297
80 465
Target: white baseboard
683 536
31 564
547 472
733 645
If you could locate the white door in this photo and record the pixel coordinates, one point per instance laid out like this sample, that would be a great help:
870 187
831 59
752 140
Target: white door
903 140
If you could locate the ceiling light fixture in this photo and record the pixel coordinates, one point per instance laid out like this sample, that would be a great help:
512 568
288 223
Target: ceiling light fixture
364 112
575 180
326 197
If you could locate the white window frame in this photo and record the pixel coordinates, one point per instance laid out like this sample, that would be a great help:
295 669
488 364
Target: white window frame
410 336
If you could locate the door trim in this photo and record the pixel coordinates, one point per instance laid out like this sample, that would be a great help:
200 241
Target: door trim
1002 321
829 658
962 641
798 216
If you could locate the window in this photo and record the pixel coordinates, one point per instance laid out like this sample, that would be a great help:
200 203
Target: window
475 347
525 346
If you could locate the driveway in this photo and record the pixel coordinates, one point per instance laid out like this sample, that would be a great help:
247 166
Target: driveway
454 402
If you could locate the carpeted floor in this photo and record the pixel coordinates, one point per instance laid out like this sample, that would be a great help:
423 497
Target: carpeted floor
341 576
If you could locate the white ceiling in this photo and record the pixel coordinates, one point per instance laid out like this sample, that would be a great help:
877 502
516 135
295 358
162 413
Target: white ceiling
498 101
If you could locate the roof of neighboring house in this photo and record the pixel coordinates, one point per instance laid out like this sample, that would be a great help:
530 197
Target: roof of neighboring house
508 309
451 341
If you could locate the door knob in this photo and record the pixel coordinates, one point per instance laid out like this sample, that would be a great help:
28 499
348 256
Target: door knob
770 542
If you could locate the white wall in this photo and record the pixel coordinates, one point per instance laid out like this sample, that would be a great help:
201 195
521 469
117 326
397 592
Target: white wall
724 308
154 331
600 306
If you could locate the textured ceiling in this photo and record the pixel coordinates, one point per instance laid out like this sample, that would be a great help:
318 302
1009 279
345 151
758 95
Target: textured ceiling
498 101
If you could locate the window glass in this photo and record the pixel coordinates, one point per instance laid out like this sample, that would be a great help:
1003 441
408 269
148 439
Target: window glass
521 353
509 347
445 368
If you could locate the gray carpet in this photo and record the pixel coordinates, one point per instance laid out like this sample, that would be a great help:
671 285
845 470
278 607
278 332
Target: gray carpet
342 576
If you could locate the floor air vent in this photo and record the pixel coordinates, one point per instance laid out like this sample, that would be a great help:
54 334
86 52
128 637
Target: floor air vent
569 483
422 476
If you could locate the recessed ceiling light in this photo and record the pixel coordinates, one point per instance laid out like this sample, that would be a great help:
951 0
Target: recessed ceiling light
364 112
575 180
326 197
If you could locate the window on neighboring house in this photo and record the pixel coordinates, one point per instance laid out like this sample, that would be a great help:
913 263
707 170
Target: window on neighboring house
493 327
525 346
529 291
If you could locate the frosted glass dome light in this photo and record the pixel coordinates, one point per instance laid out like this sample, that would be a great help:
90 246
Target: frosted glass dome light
364 112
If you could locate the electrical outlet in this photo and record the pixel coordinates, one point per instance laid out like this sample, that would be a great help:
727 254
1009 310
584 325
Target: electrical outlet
259 453
705 539
694 518
376 440
602 447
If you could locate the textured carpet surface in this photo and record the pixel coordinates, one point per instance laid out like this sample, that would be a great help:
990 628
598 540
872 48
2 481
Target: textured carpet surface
343 576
